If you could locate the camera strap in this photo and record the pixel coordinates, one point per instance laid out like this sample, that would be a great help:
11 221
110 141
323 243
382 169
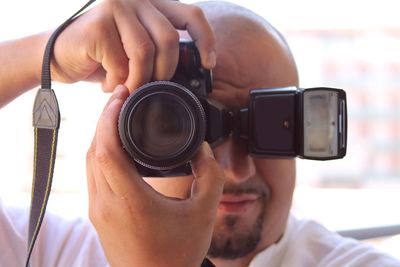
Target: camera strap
46 122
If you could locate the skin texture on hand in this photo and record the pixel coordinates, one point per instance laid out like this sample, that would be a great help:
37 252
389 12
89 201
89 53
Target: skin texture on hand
137 225
139 42
117 42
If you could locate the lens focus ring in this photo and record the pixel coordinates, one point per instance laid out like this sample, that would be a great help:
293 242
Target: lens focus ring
162 125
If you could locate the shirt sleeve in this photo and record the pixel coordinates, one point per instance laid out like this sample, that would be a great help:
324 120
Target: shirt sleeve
61 242
308 243
314 245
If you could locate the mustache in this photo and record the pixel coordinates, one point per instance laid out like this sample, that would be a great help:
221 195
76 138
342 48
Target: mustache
262 191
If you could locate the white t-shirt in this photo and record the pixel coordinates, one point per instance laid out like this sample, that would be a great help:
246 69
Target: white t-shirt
60 243
307 243
75 244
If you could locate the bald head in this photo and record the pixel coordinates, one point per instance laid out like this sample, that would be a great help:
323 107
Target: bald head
251 53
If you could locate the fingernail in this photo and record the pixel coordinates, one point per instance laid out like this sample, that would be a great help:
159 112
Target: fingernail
119 91
212 59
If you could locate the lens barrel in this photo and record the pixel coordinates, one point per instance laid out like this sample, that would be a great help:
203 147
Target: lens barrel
162 125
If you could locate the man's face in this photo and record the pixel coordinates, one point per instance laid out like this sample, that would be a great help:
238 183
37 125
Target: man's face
257 196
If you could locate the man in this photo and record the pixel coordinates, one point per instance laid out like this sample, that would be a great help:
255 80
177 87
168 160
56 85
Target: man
139 227
253 226
117 42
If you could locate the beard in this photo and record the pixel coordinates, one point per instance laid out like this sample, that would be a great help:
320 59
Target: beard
230 243
238 245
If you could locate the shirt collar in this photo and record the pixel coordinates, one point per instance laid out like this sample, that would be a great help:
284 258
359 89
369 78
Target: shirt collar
274 254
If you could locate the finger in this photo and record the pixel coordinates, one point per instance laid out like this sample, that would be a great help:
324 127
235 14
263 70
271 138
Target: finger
192 19
92 190
104 190
97 76
95 176
103 45
137 44
119 171
113 59
209 178
96 181
120 92
116 66
166 40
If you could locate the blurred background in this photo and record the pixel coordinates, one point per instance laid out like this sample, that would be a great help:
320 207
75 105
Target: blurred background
352 44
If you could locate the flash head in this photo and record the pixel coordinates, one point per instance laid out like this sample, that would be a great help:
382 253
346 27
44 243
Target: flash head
290 121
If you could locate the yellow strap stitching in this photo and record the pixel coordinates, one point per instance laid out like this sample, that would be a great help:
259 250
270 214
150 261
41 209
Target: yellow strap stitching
34 164
48 180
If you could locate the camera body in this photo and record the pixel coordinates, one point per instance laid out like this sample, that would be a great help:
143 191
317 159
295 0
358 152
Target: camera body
163 123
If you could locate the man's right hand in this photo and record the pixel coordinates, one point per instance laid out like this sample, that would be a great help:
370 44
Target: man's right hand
129 42
137 225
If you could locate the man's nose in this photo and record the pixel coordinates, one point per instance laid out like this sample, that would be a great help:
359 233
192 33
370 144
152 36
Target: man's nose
233 156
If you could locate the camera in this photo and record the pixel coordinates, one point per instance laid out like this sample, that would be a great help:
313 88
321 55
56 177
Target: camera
163 123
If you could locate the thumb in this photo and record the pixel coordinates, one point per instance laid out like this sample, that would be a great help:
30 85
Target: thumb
209 178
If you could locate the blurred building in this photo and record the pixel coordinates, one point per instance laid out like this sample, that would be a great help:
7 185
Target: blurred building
366 63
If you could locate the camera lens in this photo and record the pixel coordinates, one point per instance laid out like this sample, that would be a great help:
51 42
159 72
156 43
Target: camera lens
162 125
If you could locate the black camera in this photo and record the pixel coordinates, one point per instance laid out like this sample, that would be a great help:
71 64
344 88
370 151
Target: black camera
163 123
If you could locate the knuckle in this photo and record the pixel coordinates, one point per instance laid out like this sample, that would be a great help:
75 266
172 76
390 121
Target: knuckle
120 72
114 4
90 154
103 158
170 38
96 28
196 12
100 216
106 86
145 50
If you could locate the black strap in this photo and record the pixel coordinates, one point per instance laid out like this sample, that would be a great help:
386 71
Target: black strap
46 122
46 75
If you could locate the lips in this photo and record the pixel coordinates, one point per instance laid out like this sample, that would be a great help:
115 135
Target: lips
237 203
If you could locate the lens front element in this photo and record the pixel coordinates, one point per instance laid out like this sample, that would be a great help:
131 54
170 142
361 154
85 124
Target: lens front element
162 125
